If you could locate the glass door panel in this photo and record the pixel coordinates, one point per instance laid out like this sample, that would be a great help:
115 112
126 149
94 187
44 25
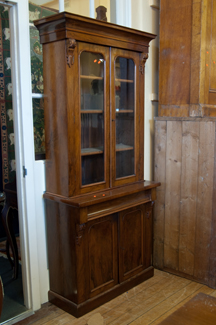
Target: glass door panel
124 116
92 117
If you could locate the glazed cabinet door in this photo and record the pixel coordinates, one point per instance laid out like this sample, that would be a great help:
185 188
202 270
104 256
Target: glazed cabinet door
125 116
93 117
102 254
135 241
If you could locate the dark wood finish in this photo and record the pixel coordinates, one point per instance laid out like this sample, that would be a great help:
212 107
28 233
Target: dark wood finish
138 152
198 311
101 13
83 245
135 255
62 100
89 220
103 257
85 307
184 228
66 25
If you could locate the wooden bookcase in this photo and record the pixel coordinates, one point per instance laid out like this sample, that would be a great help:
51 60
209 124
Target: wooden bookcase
98 207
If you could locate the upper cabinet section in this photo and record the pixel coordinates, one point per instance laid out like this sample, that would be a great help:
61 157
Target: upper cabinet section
187 58
94 103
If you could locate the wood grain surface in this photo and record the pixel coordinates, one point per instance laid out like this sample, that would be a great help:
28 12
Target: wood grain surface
200 310
184 231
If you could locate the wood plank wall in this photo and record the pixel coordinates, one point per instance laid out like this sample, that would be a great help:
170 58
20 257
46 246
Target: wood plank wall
185 209
187 58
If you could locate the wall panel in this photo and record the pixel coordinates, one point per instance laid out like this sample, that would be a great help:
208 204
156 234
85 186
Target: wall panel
183 233
190 152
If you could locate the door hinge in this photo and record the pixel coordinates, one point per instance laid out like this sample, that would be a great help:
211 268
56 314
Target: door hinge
24 172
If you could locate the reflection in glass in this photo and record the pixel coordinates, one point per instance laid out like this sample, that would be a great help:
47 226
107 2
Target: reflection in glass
124 108
92 117
39 8
92 81
39 131
37 11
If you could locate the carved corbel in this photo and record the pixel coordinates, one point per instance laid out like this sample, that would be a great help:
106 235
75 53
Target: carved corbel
79 233
143 61
149 212
70 47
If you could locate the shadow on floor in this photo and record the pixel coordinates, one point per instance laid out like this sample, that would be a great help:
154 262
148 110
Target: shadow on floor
13 302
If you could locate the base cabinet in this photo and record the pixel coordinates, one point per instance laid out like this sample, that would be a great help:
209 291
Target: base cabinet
94 261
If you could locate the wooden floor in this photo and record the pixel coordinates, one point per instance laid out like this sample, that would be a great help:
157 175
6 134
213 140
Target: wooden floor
148 303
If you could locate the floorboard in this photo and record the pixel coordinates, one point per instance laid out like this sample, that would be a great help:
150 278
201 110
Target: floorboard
148 303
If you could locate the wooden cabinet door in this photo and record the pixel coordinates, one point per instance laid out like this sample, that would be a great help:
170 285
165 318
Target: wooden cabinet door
102 254
93 118
125 119
135 240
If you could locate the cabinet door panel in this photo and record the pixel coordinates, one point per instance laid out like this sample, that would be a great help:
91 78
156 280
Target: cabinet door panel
93 117
135 246
125 116
103 265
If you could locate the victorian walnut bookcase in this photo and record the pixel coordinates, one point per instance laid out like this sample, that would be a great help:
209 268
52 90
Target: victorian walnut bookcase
98 207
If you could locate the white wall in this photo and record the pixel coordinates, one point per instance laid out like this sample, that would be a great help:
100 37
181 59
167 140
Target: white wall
105 3
146 18
78 7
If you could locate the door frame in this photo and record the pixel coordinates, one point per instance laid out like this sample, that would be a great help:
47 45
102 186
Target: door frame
24 149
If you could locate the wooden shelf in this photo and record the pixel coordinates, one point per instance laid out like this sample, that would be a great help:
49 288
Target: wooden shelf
124 111
124 80
90 77
123 147
91 111
91 151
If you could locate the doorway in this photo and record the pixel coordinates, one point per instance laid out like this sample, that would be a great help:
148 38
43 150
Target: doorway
10 259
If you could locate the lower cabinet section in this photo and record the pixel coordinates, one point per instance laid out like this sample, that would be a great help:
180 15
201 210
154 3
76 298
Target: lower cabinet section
93 262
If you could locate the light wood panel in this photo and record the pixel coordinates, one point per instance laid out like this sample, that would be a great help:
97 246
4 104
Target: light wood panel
175 48
160 172
213 48
212 266
190 147
195 52
172 194
187 57
204 200
184 235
